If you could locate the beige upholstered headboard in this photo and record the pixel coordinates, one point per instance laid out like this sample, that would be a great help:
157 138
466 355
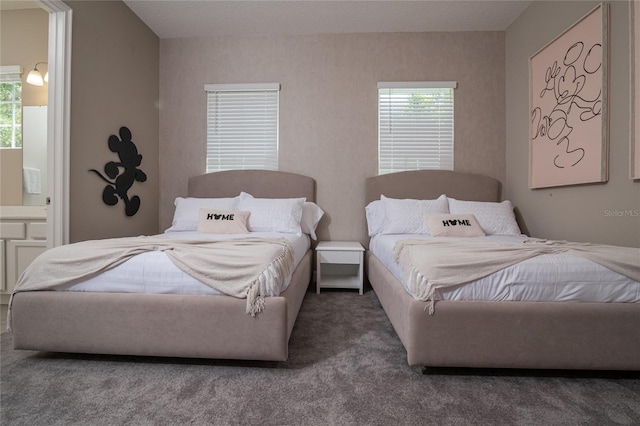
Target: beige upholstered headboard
259 183
430 184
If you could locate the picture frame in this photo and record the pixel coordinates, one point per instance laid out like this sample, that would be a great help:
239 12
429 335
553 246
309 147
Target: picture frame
568 104
634 86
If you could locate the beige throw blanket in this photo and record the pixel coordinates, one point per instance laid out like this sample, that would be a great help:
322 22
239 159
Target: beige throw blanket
430 265
239 268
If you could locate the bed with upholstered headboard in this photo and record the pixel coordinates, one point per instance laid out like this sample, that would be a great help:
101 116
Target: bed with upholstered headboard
173 325
496 334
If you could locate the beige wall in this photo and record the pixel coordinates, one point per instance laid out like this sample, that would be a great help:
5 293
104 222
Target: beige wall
603 213
10 177
23 42
328 106
114 83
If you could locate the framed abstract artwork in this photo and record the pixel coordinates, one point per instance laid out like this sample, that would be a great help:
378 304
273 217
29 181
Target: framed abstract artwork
568 142
634 31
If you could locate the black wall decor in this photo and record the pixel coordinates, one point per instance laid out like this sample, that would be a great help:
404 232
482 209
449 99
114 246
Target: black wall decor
119 183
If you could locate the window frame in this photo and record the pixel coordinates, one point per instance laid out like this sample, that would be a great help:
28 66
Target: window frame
12 75
408 123
265 135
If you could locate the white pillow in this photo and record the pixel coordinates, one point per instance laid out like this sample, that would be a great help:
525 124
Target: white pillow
375 217
494 218
311 215
185 216
406 216
453 225
273 214
223 221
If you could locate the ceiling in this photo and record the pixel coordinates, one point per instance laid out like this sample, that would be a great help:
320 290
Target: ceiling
205 18
17 4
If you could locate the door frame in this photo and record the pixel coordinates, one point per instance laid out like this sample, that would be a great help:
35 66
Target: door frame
58 120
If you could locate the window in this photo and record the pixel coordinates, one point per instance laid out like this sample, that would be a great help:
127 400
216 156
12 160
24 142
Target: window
415 126
10 107
242 126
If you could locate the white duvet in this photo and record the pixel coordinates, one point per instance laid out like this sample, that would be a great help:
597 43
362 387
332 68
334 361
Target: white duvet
543 278
154 273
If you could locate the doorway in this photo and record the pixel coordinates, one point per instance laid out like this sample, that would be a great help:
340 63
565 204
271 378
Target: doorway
58 120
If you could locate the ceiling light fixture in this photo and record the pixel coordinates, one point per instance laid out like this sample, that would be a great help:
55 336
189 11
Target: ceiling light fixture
35 76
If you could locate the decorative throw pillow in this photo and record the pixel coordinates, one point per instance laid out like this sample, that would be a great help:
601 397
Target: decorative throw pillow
406 216
494 218
185 216
273 214
223 221
453 225
375 217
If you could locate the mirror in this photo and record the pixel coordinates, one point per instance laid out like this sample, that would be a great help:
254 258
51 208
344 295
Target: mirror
24 30
34 155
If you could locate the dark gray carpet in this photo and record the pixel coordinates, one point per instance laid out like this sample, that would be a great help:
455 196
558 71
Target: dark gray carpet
346 367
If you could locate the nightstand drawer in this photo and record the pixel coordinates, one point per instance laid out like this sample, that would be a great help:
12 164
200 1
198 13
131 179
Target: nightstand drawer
350 257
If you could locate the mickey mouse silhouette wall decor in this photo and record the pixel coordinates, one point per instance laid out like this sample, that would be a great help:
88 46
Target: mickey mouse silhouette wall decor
118 184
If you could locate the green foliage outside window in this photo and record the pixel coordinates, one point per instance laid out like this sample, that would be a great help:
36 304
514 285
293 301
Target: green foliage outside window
10 115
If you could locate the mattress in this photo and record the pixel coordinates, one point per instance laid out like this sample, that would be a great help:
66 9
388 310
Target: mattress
154 273
545 278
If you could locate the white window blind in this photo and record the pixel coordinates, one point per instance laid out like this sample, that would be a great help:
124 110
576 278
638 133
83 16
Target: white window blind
242 126
11 73
415 126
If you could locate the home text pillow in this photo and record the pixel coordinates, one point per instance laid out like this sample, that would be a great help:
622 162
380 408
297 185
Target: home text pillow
453 225
185 216
273 214
311 215
375 217
406 216
494 218
223 221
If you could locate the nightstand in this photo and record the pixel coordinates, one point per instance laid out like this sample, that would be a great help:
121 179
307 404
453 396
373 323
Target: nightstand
339 264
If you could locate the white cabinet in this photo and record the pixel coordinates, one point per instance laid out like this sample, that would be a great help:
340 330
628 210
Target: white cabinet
23 233
339 264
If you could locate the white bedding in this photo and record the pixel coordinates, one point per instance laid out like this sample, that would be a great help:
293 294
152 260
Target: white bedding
154 273
543 278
